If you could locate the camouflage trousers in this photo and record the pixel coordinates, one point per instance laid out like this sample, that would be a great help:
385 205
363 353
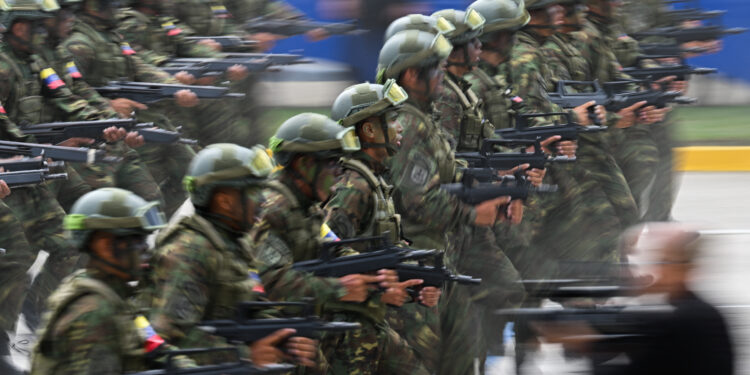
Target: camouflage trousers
41 217
373 349
662 193
637 155
419 326
15 260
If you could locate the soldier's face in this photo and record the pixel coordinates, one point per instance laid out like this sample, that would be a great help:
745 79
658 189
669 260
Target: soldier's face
330 170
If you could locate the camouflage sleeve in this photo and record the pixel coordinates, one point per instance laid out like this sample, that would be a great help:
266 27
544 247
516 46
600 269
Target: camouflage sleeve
449 112
145 72
181 272
526 73
556 66
82 53
66 66
415 176
84 337
189 48
350 205
136 33
8 130
15 258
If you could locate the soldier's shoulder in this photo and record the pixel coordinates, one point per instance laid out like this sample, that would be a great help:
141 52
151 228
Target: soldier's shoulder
185 240
276 209
353 180
85 312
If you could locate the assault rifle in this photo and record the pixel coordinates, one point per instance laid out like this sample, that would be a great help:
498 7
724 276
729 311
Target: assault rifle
685 35
488 158
30 177
681 71
200 67
228 42
72 154
669 49
147 92
380 253
473 193
246 330
436 275
292 27
56 132
568 131
484 175
30 164
237 366
692 14
579 288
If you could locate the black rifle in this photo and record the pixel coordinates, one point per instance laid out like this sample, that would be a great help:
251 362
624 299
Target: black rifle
488 158
30 177
72 154
29 164
568 131
228 42
436 275
557 289
200 67
692 14
228 368
380 254
484 175
685 35
669 49
291 27
681 71
147 92
56 132
473 193
273 58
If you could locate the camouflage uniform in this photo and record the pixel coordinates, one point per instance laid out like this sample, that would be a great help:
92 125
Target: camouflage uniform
244 10
102 55
490 87
635 150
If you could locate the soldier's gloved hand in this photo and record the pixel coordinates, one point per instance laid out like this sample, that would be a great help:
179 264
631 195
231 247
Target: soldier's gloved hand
514 212
545 144
210 43
582 113
265 351
487 211
125 107
4 189
134 140
76 142
302 350
237 72
358 286
113 134
316 35
185 78
397 294
266 41
536 176
628 116
663 82
652 115
186 98
429 296
567 148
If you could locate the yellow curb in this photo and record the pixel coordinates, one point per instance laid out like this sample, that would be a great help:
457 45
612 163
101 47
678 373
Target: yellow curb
712 158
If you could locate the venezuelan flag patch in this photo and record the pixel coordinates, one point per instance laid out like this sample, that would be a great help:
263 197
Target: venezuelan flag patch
327 234
127 50
220 11
258 287
171 29
152 339
51 79
73 70
2 110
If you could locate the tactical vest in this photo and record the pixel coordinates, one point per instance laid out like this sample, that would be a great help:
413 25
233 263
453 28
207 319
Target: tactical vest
129 342
497 106
112 62
30 106
575 63
303 233
447 159
155 44
384 217
234 281
474 127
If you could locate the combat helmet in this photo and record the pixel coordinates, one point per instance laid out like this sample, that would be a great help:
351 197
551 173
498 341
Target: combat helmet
539 4
468 24
112 210
26 9
314 134
411 48
501 14
435 25
360 102
227 165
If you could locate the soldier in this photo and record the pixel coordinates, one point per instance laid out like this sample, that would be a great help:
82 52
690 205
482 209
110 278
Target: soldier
415 59
361 206
202 269
91 328
101 55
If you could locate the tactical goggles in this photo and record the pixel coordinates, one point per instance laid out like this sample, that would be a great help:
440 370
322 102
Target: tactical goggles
259 167
346 140
444 26
393 96
474 20
440 48
148 218
43 5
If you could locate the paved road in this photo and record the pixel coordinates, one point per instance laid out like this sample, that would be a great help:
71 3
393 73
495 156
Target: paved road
719 203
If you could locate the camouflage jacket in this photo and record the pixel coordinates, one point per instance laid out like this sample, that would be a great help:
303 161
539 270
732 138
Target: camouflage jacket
500 103
206 17
564 58
460 113
424 162
200 271
159 38
89 329
597 40
103 55
34 92
245 10
289 231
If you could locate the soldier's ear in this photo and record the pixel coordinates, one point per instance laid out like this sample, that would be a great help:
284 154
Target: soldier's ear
410 78
368 130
